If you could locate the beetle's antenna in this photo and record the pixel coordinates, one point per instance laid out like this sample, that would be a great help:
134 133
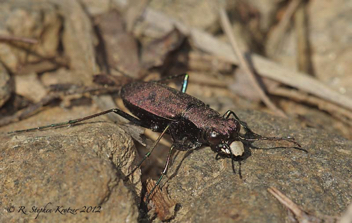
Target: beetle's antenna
288 139
259 137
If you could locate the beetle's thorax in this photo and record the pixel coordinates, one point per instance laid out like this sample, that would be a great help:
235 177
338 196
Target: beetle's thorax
207 119
223 126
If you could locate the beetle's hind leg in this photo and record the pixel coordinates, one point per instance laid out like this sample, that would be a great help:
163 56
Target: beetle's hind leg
74 121
184 83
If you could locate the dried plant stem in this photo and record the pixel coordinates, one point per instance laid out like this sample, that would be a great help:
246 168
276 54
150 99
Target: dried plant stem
335 110
225 22
299 214
18 39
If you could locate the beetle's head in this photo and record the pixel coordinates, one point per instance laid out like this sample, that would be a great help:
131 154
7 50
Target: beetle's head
222 137
225 145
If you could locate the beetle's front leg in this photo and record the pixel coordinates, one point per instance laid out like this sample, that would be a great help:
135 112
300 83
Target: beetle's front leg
166 167
242 123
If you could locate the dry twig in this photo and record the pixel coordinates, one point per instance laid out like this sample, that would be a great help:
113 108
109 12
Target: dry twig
133 12
304 62
18 39
333 109
275 43
300 215
35 108
244 63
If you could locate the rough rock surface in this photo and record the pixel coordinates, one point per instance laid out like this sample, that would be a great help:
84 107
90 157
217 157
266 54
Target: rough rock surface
319 181
81 167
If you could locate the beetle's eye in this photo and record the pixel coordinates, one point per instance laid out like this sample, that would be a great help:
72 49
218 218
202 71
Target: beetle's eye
214 138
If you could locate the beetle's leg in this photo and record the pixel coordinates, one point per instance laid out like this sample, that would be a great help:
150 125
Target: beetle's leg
130 118
162 173
74 121
243 124
150 151
171 77
70 122
228 113
184 83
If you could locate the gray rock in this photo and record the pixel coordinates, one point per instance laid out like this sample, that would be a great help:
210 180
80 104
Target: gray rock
82 165
78 168
319 181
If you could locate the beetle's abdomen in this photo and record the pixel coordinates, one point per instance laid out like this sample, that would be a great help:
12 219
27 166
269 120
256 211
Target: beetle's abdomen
158 99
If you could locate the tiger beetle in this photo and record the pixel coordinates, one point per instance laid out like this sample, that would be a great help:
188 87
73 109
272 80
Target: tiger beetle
190 122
